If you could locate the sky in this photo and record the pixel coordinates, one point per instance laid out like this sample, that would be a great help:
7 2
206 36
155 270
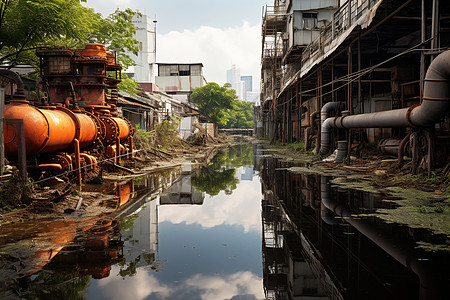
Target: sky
215 33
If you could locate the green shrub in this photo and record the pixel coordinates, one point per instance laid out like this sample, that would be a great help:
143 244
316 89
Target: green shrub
297 146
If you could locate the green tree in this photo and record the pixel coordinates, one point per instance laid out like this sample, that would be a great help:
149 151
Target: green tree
116 33
213 100
212 181
28 24
241 115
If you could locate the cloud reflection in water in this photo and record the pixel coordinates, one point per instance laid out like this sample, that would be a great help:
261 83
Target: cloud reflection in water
144 285
241 208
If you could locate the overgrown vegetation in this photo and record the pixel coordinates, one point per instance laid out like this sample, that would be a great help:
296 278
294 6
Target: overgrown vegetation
164 136
14 193
436 179
297 146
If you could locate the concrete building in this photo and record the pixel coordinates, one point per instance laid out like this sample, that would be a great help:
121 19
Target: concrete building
145 69
368 59
180 79
248 85
253 97
182 191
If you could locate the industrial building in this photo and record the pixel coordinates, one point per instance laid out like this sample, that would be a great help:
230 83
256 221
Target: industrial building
370 59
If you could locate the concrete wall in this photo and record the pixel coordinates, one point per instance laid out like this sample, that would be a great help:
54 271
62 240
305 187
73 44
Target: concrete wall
145 69
186 127
210 128
312 4
179 83
300 36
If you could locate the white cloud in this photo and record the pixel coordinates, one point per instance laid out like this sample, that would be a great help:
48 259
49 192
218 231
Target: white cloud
216 48
145 284
241 283
242 208
139 286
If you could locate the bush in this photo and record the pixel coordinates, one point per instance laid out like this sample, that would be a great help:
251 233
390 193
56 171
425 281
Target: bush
165 135
143 139
297 146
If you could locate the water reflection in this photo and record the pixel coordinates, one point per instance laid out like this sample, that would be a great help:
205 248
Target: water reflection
200 241
59 256
181 234
220 174
319 242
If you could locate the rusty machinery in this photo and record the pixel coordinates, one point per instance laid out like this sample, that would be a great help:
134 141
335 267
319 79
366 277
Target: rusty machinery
74 125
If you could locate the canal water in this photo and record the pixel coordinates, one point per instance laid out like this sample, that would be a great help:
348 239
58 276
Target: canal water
242 226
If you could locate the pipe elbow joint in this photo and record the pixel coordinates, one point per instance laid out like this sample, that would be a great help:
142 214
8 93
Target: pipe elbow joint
325 139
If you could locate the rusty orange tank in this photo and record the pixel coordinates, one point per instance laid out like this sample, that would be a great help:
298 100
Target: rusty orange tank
47 130
74 116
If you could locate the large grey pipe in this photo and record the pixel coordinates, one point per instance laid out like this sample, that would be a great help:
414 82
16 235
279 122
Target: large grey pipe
435 105
324 114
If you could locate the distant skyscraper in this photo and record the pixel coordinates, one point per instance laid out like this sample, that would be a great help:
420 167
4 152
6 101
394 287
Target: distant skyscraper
248 81
234 78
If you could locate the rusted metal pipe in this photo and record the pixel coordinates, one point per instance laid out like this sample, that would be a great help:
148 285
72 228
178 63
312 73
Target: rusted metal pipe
130 141
48 130
2 130
401 150
53 167
389 146
117 156
76 145
433 108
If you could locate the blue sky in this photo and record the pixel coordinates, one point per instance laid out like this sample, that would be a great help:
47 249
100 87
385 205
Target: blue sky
179 15
216 33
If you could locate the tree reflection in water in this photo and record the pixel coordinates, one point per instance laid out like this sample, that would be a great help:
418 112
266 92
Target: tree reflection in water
220 174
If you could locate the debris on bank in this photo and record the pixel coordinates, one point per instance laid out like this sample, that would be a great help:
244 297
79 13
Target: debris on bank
421 201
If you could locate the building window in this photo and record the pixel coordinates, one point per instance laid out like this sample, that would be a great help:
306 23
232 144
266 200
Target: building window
184 70
164 70
174 70
309 20
196 70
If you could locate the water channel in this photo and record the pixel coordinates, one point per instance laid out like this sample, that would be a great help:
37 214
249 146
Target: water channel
241 227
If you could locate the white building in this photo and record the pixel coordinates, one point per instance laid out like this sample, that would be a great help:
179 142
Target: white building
180 79
234 78
145 69
253 97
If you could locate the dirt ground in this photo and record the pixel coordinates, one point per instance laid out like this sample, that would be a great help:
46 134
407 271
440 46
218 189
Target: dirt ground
56 199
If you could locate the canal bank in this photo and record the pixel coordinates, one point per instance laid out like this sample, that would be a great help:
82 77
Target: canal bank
246 225
84 247
420 201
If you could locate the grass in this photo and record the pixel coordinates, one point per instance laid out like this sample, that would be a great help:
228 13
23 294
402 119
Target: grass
164 136
297 146
14 193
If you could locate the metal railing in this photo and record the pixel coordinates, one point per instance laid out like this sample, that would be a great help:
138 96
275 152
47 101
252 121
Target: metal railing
273 10
343 18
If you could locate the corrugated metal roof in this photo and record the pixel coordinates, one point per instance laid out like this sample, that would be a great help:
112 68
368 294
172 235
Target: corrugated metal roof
179 64
141 100
131 103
